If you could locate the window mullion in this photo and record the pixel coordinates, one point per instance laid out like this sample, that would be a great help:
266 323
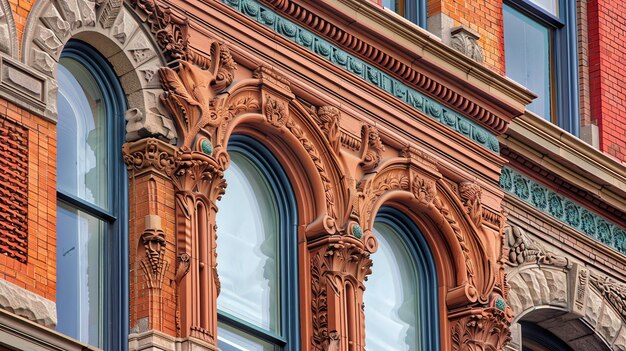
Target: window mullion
86 207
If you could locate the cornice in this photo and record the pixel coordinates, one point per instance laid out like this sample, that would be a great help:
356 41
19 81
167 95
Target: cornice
333 53
568 157
454 72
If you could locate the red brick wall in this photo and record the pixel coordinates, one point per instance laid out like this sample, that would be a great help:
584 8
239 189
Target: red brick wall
482 16
607 73
38 272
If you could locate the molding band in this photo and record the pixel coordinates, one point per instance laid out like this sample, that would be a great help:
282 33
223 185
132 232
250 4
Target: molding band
372 75
563 209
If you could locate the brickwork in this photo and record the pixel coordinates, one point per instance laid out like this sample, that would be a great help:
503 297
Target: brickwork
583 62
151 193
14 188
607 74
38 274
21 9
482 16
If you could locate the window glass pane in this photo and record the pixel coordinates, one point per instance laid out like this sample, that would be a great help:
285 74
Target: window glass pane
79 282
81 134
551 6
231 339
247 246
527 55
391 4
391 296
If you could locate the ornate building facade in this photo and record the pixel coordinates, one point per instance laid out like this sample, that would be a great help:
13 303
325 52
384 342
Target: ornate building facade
312 175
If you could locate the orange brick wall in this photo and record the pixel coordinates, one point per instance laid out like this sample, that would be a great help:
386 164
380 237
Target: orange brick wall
38 274
482 16
143 306
607 73
21 9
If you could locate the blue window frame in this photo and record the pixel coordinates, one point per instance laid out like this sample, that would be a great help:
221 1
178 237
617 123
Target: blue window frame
92 301
401 304
413 10
540 53
257 253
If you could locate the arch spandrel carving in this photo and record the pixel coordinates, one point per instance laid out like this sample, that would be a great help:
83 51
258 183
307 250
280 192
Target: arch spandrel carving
419 184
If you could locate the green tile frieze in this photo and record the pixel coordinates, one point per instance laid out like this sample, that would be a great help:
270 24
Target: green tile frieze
367 72
563 209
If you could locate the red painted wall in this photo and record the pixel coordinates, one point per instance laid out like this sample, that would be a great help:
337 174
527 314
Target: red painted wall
607 73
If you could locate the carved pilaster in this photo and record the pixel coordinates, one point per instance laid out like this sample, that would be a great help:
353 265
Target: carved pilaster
339 266
199 184
149 163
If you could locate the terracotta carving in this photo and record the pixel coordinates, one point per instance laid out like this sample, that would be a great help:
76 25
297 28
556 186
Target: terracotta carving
470 193
371 148
338 270
329 122
482 330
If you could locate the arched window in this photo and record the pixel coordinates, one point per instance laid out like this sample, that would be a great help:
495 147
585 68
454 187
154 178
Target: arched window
257 257
92 301
401 308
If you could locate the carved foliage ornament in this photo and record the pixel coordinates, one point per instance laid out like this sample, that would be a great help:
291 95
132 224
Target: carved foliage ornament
471 193
330 267
329 118
371 148
483 330
149 153
612 290
169 30
465 41
523 249
189 90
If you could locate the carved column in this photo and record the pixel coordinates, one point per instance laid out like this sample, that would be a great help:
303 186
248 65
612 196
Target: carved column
339 265
198 182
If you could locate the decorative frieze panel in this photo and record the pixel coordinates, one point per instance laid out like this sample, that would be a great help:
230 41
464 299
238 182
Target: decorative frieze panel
563 209
25 86
13 190
366 71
